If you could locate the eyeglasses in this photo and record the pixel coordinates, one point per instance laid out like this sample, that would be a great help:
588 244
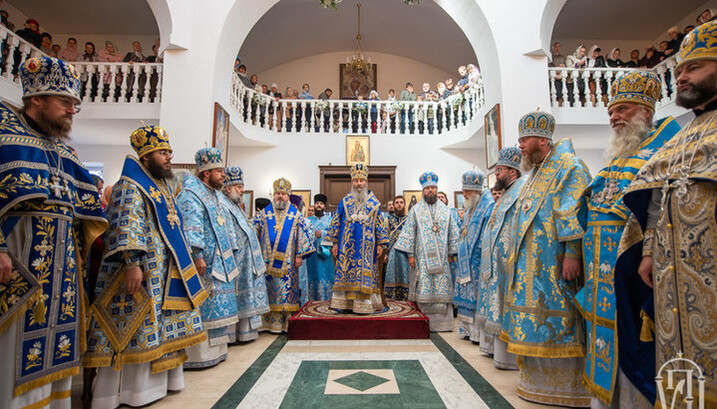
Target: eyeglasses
165 153
68 103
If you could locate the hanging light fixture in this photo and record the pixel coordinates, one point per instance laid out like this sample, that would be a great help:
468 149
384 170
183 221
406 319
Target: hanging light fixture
358 62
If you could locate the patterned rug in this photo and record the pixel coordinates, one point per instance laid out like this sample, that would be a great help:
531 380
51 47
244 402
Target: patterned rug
401 320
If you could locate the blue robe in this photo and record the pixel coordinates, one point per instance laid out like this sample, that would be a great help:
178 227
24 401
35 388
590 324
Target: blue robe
209 230
540 319
283 235
606 218
46 227
496 251
433 280
357 231
469 258
146 230
397 268
320 264
251 295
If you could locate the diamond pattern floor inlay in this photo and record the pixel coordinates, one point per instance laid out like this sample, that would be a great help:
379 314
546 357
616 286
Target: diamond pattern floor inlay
361 381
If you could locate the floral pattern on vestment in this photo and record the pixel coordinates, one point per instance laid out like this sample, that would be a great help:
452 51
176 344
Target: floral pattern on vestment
540 318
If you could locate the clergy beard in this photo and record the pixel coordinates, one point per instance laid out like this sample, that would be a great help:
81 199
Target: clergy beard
430 199
528 162
318 213
57 127
624 141
360 195
471 202
501 183
280 204
234 197
399 213
157 171
698 93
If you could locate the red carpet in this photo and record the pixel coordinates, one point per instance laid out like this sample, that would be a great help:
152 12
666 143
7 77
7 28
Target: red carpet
315 320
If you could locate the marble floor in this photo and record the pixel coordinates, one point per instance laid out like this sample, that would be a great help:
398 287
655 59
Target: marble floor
271 372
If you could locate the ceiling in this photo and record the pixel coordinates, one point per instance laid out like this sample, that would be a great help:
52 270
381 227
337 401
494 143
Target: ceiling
621 19
89 16
294 29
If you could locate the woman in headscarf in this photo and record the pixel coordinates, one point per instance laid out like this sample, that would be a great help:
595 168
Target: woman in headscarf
614 60
89 56
578 59
305 94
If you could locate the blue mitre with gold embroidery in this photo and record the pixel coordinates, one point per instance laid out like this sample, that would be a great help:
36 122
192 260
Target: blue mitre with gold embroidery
359 171
234 176
699 44
637 87
472 180
540 124
208 159
148 139
428 179
49 76
282 185
510 157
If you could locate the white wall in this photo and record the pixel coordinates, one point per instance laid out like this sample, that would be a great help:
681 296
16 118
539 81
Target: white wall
298 160
322 71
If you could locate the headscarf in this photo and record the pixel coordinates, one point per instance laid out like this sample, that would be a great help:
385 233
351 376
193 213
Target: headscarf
372 93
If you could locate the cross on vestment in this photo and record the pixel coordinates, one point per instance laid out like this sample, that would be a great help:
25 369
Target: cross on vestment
56 187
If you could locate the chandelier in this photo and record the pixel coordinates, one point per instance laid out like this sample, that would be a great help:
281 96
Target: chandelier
357 61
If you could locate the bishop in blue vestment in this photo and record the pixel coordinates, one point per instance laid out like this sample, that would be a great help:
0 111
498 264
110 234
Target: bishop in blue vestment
209 232
478 205
252 300
359 233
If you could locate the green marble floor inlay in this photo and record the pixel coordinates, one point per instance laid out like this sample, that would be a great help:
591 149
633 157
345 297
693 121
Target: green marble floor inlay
361 381
309 383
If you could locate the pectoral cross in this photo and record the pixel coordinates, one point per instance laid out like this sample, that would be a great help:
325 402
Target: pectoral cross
56 187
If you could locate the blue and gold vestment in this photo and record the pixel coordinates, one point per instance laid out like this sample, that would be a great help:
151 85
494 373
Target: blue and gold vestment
209 230
397 268
495 253
470 258
50 214
146 231
283 236
433 282
320 264
357 229
540 319
250 283
604 224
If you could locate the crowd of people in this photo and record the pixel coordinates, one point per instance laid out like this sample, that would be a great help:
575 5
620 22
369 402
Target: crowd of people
391 117
99 83
585 285
582 57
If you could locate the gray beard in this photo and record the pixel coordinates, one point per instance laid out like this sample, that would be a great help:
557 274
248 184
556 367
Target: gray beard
280 205
471 202
236 198
624 142
528 162
360 196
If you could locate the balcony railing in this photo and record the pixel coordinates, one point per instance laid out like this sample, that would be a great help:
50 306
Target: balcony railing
101 81
590 87
357 116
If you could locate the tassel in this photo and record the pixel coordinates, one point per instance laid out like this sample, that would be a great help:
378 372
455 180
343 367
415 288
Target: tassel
648 327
